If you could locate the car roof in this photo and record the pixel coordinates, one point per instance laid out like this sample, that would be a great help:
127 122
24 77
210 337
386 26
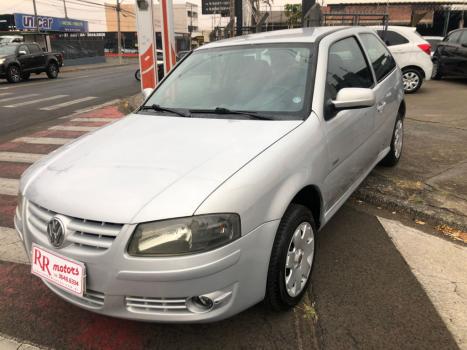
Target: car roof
298 35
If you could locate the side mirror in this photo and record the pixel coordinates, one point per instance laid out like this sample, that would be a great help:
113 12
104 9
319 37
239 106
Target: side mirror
351 98
147 92
21 52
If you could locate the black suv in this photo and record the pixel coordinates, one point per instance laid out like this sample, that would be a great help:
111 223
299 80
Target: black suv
450 57
19 60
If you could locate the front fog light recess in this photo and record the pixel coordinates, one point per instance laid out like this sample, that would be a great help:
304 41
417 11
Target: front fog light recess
199 304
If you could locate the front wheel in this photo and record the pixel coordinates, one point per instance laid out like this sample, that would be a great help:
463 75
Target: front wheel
397 142
13 74
52 70
138 75
412 79
292 258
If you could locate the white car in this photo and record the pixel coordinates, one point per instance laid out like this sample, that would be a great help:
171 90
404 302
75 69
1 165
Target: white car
411 52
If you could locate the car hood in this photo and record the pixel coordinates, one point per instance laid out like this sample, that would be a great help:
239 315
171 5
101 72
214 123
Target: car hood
147 167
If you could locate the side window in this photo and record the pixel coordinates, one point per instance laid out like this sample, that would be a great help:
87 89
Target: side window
34 48
23 48
392 38
347 67
453 37
381 60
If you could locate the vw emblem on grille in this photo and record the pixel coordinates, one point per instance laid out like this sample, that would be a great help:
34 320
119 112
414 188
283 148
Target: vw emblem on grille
56 232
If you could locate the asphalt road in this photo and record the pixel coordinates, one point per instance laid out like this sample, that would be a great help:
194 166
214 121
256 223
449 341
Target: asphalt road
28 104
364 296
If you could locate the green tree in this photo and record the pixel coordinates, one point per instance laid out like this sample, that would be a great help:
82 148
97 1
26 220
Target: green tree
293 12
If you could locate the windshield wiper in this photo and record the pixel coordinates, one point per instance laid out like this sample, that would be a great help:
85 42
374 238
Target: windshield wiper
159 108
221 110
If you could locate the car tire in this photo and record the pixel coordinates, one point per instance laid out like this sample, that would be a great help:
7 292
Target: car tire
25 76
397 143
291 259
13 74
412 79
138 75
52 70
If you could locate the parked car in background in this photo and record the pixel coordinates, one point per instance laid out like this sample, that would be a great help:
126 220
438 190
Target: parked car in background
450 57
6 39
434 41
411 52
19 60
208 198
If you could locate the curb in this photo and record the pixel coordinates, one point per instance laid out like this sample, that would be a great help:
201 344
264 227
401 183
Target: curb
432 215
84 68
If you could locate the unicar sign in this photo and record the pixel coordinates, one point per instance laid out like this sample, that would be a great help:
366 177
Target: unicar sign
46 23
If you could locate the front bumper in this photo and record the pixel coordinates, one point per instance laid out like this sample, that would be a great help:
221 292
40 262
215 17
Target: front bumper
157 289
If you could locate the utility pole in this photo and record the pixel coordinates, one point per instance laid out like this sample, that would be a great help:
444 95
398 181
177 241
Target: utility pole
36 22
119 33
64 8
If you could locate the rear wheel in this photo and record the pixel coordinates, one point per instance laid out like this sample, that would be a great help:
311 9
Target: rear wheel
13 74
397 142
412 79
52 70
138 75
292 258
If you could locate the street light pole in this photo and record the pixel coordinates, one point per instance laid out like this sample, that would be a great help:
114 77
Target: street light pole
36 22
64 8
119 33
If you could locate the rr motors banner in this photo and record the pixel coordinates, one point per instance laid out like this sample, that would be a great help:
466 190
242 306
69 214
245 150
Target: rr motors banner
146 43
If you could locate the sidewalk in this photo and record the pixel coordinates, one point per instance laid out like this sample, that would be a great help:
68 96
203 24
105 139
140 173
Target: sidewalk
430 181
110 62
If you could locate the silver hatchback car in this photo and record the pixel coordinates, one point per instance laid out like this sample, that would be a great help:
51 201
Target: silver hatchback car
208 198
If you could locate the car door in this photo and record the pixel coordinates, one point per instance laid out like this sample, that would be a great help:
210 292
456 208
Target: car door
347 131
24 57
462 53
37 57
448 53
388 89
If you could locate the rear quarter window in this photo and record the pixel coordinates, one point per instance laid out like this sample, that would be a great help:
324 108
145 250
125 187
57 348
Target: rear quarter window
381 59
392 38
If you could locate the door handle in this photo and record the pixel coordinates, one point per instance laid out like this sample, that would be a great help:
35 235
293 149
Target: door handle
380 107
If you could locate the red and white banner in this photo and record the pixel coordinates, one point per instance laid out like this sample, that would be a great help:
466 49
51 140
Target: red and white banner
168 37
146 43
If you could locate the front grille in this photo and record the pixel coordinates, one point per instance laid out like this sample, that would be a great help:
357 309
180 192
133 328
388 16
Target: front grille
85 234
156 305
90 298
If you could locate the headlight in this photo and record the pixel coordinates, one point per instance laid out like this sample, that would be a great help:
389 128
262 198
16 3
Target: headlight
2 60
185 235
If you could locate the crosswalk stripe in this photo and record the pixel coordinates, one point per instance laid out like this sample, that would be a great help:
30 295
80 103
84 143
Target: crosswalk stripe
68 103
11 247
9 186
43 140
35 101
17 97
18 157
73 128
94 119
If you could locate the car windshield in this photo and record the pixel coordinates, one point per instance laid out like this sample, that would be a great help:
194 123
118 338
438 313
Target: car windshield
7 49
270 80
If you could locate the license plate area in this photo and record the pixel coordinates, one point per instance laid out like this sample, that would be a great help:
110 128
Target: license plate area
63 272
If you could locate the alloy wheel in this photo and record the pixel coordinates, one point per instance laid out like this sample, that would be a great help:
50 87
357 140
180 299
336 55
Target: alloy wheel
299 259
410 80
15 74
